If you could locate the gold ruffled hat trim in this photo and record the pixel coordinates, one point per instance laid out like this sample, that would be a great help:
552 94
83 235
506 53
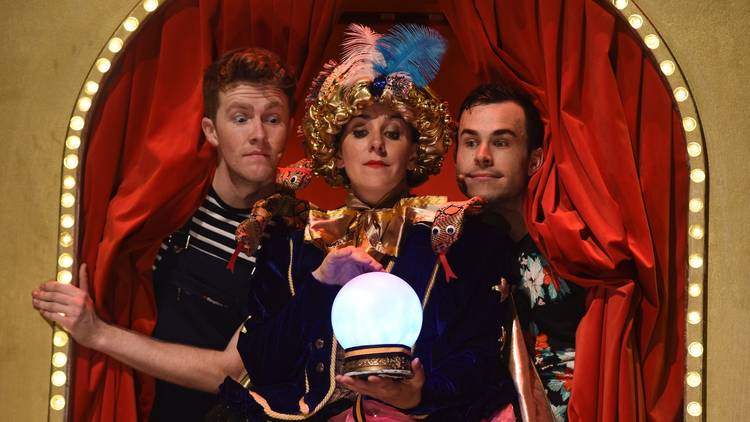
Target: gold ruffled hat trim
342 92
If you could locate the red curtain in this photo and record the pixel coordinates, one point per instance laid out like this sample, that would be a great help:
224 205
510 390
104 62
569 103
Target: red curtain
609 206
147 166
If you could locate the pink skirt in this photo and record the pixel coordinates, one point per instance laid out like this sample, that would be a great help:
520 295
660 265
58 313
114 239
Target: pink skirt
375 410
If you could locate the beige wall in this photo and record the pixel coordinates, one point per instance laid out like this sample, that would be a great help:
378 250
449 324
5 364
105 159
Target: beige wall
708 39
46 49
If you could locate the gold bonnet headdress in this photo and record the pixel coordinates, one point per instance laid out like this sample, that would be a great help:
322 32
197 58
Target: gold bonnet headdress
392 69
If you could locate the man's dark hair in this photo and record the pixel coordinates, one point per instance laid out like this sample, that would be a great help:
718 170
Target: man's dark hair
502 92
256 66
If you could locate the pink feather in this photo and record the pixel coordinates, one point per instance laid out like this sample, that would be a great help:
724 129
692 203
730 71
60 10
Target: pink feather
359 54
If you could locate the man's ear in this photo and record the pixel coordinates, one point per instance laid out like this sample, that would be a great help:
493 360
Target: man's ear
209 129
535 160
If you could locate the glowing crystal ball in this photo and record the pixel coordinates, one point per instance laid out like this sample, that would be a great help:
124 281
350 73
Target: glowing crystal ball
375 309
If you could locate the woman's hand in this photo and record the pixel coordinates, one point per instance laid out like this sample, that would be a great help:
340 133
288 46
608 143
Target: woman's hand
402 394
342 265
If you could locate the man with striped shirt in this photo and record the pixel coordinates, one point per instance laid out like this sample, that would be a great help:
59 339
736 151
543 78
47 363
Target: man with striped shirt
201 303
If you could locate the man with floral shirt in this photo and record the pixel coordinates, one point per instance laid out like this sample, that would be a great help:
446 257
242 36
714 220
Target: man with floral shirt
499 147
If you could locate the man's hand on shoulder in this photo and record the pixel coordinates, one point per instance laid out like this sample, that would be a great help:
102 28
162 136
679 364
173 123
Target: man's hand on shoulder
70 307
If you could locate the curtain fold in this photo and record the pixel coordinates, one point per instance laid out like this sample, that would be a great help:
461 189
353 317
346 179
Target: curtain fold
609 206
147 166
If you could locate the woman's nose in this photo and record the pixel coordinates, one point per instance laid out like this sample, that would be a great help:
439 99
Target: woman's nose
377 144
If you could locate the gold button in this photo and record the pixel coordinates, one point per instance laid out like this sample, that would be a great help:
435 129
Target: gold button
319 368
319 343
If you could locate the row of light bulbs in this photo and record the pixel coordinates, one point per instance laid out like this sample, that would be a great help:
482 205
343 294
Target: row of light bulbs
696 205
66 260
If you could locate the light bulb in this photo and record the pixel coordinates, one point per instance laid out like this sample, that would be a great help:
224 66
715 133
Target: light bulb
57 402
103 65
130 24
59 359
651 41
150 5
91 87
58 378
636 21
667 67
77 123
694 408
115 45
695 205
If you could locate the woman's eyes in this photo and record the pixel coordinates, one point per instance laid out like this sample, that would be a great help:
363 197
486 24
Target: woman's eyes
389 134
393 134
359 133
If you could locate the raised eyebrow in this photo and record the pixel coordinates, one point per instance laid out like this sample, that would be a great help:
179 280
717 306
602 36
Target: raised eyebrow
501 132
272 104
471 132
235 105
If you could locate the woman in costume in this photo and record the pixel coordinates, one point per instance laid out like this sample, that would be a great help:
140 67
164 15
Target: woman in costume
373 126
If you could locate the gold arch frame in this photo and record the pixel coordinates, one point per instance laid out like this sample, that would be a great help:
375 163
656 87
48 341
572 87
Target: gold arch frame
694 384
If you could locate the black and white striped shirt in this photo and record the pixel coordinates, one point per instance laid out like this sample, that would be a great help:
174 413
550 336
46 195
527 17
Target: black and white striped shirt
200 302
212 229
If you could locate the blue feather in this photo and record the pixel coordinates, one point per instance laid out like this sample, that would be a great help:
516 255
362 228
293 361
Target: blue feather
412 49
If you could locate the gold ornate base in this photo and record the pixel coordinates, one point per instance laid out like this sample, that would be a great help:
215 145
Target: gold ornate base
385 361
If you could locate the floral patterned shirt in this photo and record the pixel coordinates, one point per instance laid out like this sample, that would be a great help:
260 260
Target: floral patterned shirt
549 309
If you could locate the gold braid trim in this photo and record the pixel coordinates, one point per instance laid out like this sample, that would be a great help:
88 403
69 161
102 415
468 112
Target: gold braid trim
374 350
302 416
359 414
289 271
426 297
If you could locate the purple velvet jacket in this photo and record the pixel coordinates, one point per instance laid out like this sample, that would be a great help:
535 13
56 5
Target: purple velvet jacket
286 343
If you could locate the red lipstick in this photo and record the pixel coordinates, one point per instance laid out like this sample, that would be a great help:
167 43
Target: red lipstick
376 164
